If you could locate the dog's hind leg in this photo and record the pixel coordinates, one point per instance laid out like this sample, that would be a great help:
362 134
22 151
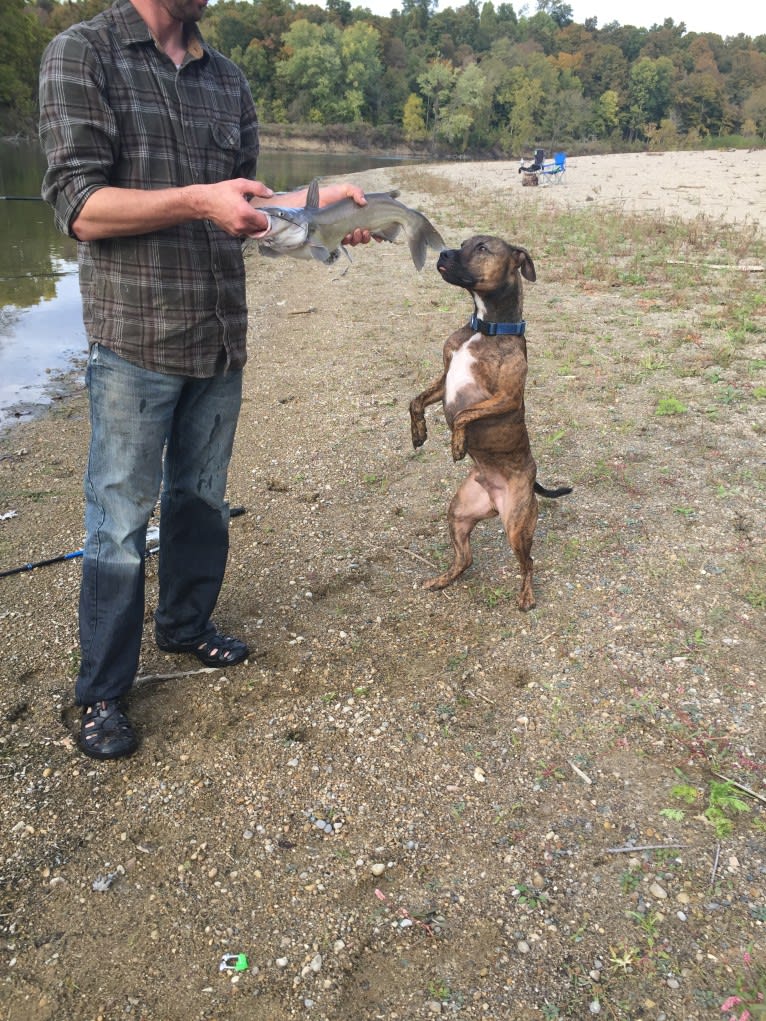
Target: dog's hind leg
470 504
518 511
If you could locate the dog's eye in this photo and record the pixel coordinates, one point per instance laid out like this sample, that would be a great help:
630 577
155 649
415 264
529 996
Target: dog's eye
481 247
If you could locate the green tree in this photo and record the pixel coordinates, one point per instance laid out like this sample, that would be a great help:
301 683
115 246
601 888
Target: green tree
754 109
418 12
701 104
558 10
525 97
413 119
649 93
329 73
468 108
312 72
22 44
436 83
606 114
362 67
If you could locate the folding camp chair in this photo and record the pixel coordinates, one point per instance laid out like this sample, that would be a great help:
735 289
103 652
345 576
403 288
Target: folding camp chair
554 171
531 170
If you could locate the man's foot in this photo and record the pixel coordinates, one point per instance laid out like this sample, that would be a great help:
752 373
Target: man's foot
105 731
219 650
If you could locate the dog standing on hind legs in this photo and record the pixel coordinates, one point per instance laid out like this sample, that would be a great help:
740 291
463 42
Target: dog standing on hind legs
482 390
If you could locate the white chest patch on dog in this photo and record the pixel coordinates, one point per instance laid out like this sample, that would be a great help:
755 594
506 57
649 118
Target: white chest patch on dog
460 375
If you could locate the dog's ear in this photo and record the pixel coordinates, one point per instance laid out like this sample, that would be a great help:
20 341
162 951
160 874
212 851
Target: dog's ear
524 263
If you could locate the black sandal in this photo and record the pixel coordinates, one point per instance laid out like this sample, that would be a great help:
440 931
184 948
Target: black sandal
105 731
218 650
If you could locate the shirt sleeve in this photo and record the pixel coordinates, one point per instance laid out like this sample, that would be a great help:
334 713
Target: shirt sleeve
78 130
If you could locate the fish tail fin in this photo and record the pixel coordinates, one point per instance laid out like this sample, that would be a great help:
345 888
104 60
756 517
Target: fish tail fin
424 237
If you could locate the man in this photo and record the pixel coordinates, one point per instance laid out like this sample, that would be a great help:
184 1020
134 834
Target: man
151 139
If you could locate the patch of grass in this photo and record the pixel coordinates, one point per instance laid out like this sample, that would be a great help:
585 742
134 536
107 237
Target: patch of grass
529 896
670 406
497 595
723 802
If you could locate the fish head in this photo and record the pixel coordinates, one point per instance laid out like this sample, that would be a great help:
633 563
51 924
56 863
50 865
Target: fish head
287 233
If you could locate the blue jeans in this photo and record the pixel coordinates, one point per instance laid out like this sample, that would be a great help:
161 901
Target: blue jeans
136 415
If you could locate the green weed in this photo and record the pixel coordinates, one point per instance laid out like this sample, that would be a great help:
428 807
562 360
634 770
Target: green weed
670 406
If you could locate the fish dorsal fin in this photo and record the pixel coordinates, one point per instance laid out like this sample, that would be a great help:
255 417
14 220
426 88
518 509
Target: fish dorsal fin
312 195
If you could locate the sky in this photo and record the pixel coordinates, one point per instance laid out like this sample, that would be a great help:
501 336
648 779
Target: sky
725 17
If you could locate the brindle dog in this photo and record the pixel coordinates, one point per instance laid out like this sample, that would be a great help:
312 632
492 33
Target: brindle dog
482 389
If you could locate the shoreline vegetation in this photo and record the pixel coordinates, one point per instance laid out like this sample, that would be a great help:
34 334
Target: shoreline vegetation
366 139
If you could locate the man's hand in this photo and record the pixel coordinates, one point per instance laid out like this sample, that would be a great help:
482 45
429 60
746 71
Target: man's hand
228 206
336 192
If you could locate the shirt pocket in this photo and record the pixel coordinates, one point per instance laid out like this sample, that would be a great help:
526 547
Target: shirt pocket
223 147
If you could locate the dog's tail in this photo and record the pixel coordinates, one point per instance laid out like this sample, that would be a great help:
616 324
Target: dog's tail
552 493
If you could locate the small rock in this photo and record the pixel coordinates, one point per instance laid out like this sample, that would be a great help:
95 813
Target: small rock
281 962
316 964
656 891
378 868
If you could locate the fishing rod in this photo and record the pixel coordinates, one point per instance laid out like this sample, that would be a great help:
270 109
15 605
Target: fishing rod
152 546
21 198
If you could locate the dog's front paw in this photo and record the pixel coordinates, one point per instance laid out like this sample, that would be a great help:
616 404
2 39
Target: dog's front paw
458 445
419 432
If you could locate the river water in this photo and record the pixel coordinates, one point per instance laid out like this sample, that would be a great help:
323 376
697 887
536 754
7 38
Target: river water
42 339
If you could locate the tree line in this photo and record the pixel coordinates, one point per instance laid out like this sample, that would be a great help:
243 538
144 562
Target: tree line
479 78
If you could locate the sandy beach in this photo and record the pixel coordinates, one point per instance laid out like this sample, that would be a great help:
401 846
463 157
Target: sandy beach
730 185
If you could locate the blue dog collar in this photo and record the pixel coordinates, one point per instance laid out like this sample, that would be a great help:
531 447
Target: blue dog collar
493 329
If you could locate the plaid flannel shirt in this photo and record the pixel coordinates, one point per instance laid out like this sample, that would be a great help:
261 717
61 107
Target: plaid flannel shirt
115 111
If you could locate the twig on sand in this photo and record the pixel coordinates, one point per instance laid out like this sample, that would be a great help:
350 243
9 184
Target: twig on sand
478 694
417 556
740 787
642 847
715 864
717 265
151 678
583 776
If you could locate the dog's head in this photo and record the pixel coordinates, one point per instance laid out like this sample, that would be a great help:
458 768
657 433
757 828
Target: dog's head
485 264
